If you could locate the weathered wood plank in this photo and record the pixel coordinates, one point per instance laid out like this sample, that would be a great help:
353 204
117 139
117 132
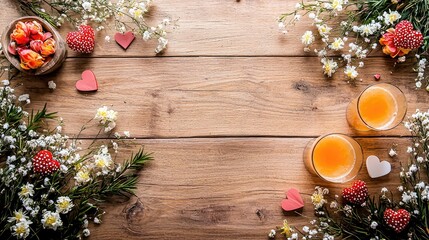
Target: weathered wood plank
183 97
214 188
211 27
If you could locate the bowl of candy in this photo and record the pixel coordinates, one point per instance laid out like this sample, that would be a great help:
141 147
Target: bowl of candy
33 46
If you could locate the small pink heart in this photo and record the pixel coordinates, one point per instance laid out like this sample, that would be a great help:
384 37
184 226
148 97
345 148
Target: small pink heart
88 82
124 40
377 76
293 200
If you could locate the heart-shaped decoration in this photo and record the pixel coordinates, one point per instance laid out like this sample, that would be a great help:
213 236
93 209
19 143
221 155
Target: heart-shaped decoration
83 40
88 83
357 193
44 163
377 76
398 220
124 40
377 168
406 37
293 200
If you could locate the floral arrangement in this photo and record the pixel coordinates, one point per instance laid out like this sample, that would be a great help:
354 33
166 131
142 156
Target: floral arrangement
51 187
401 28
400 215
32 44
127 15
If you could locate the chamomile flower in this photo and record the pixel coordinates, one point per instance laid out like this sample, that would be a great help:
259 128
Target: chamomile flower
51 220
337 5
337 44
317 198
323 29
107 118
18 216
307 38
286 230
391 17
27 190
351 72
64 205
329 66
103 161
83 176
21 230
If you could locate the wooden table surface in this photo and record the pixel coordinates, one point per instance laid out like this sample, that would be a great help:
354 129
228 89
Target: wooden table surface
227 111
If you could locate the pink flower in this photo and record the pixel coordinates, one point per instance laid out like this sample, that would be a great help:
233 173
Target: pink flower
34 27
36 45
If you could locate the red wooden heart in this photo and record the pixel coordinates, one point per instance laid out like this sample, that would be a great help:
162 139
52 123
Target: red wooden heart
88 82
293 200
124 40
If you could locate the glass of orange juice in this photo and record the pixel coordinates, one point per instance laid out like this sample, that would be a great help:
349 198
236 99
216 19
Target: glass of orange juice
334 157
379 107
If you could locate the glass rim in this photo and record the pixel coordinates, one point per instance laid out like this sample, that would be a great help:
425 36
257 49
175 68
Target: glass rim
364 122
355 155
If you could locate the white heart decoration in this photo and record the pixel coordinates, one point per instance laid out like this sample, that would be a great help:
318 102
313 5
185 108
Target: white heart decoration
377 168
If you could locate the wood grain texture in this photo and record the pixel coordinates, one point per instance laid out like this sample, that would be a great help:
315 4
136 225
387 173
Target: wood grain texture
210 27
188 97
227 111
228 188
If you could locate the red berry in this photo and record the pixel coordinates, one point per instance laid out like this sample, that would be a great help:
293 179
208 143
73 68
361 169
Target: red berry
82 41
357 193
406 37
44 163
397 220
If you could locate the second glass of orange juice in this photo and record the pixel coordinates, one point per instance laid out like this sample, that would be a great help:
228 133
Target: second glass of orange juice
334 157
379 107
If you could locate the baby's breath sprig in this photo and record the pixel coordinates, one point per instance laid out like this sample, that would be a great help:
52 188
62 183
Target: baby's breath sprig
337 217
126 16
362 26
50 187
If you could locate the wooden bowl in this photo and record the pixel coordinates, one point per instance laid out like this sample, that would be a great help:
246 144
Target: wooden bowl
60 47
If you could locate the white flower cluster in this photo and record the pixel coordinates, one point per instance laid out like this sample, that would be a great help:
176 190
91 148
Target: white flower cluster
355 42
107 118
21 224
414 188
37 196
100 164
128 14
137 9
318 197
421 72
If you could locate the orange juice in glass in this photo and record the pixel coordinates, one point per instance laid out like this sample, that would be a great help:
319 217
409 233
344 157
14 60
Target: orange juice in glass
378 107
334 157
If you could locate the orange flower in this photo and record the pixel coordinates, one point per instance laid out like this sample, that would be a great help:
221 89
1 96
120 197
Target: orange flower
34 27
48 47
30 59
20 34
387 40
